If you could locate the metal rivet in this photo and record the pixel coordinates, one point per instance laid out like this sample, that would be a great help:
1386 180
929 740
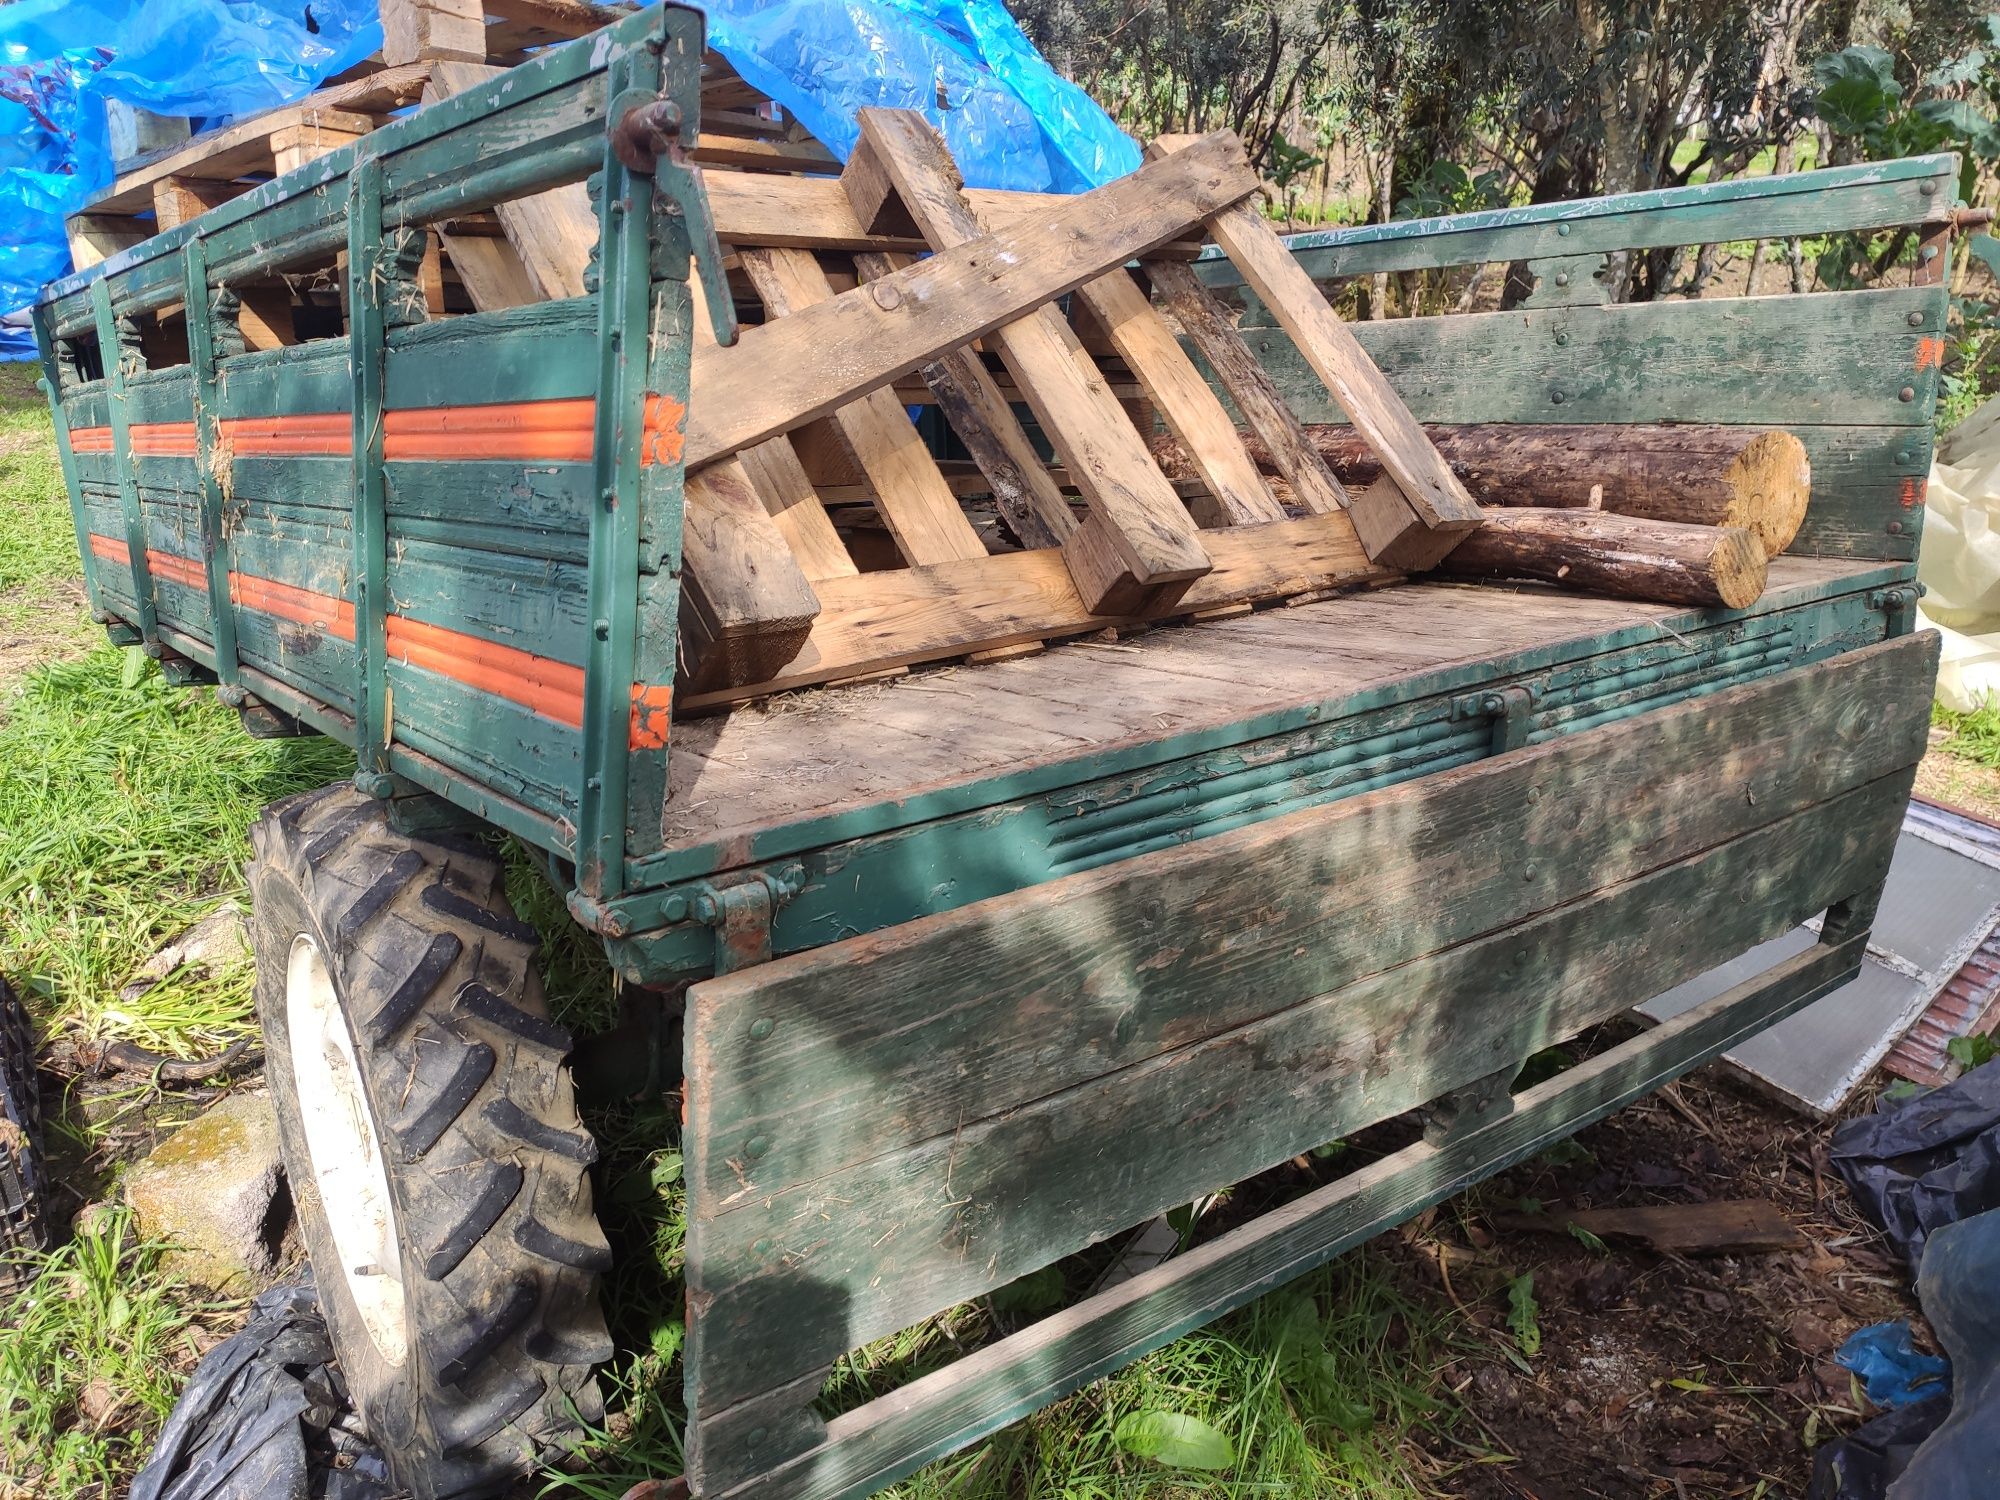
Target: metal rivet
1929 190
1903 456
760 1028
757 1146
1562 278
1915 319
675 908
1907 393
1529 873
602 630
1490 704
761 1247
1895 528
758 1434
1556 398
1562 338
610 498
1563 229
594 783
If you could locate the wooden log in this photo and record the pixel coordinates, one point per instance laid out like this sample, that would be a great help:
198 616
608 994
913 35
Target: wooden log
1663 562
1757 478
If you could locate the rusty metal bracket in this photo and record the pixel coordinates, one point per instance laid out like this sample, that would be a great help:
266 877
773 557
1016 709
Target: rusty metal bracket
1509 709
741 914
649 135
1900 605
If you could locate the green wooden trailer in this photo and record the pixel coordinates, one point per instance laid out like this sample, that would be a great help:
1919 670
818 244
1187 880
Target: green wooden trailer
957 973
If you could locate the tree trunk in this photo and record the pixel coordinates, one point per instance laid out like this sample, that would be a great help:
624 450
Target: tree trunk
1660 562
1757 478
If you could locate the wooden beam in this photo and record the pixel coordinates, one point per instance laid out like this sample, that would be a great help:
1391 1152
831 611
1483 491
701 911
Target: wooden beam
896 618
781 376
1237 492
1249 385
748 606
911 495
1421 515
972 402
1139 543
425 29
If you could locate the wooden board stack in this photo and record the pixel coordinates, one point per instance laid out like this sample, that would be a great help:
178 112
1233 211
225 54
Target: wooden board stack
1091 473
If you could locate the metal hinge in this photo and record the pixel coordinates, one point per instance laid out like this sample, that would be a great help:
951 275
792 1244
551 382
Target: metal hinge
649 135
1900 605
1509 709
741 914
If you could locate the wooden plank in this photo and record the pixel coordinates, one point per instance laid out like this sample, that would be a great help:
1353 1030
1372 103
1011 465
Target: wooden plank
1872 195
1237 492
749 605
1652 779
423 29
1022 486
910 615
1439 511
1139 542
1838 358
1710 1228
781 376
858 1254
814 213
910 494
490 270
1249 386
554 232
875 1445
95 238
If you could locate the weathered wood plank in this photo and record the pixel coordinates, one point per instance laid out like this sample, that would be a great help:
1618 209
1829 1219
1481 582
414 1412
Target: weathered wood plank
1236 492
897 617
911 495
1792 362
861 1253
783 375
901 1244
747 605
1138 543
890 1438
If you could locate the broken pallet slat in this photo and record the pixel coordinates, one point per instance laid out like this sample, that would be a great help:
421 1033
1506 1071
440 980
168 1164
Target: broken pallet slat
1139 543
1249 385
911 495
1186 401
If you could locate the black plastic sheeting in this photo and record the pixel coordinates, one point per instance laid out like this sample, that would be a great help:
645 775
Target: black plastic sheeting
1928 1172
267 1417
1931 1161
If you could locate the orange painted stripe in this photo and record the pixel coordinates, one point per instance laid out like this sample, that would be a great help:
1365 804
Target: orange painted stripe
543 686
90 440
1930 353
161 439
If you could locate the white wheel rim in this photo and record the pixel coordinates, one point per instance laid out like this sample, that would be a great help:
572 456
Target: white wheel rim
345 1151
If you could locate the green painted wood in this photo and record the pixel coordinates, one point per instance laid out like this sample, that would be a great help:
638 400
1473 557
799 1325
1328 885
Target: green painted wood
60 409
537 510
1090 1002
872 1447
690 860
526 603
489 741
543 351
134 531
1869 196
371 281
300 378
1868 489
1840 358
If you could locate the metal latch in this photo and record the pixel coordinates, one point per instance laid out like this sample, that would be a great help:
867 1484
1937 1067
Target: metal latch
1507 707
1900 605
648 136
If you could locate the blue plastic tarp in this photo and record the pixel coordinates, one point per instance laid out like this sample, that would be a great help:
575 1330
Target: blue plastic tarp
62 61
1010 119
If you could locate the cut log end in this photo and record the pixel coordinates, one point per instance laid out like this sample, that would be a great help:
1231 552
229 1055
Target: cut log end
1770 484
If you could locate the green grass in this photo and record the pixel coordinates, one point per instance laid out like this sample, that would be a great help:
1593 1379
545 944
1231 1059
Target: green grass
1974 736
91 1364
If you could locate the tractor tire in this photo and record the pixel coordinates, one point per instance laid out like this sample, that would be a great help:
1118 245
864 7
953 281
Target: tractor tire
23 1227
437 1165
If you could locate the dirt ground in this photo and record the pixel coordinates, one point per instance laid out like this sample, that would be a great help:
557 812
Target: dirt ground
1659 1376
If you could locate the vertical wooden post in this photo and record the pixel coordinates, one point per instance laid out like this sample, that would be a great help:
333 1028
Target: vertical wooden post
367 341
111 345
214 534
52 383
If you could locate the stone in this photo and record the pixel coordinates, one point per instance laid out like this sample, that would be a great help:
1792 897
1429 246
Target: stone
214 1191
